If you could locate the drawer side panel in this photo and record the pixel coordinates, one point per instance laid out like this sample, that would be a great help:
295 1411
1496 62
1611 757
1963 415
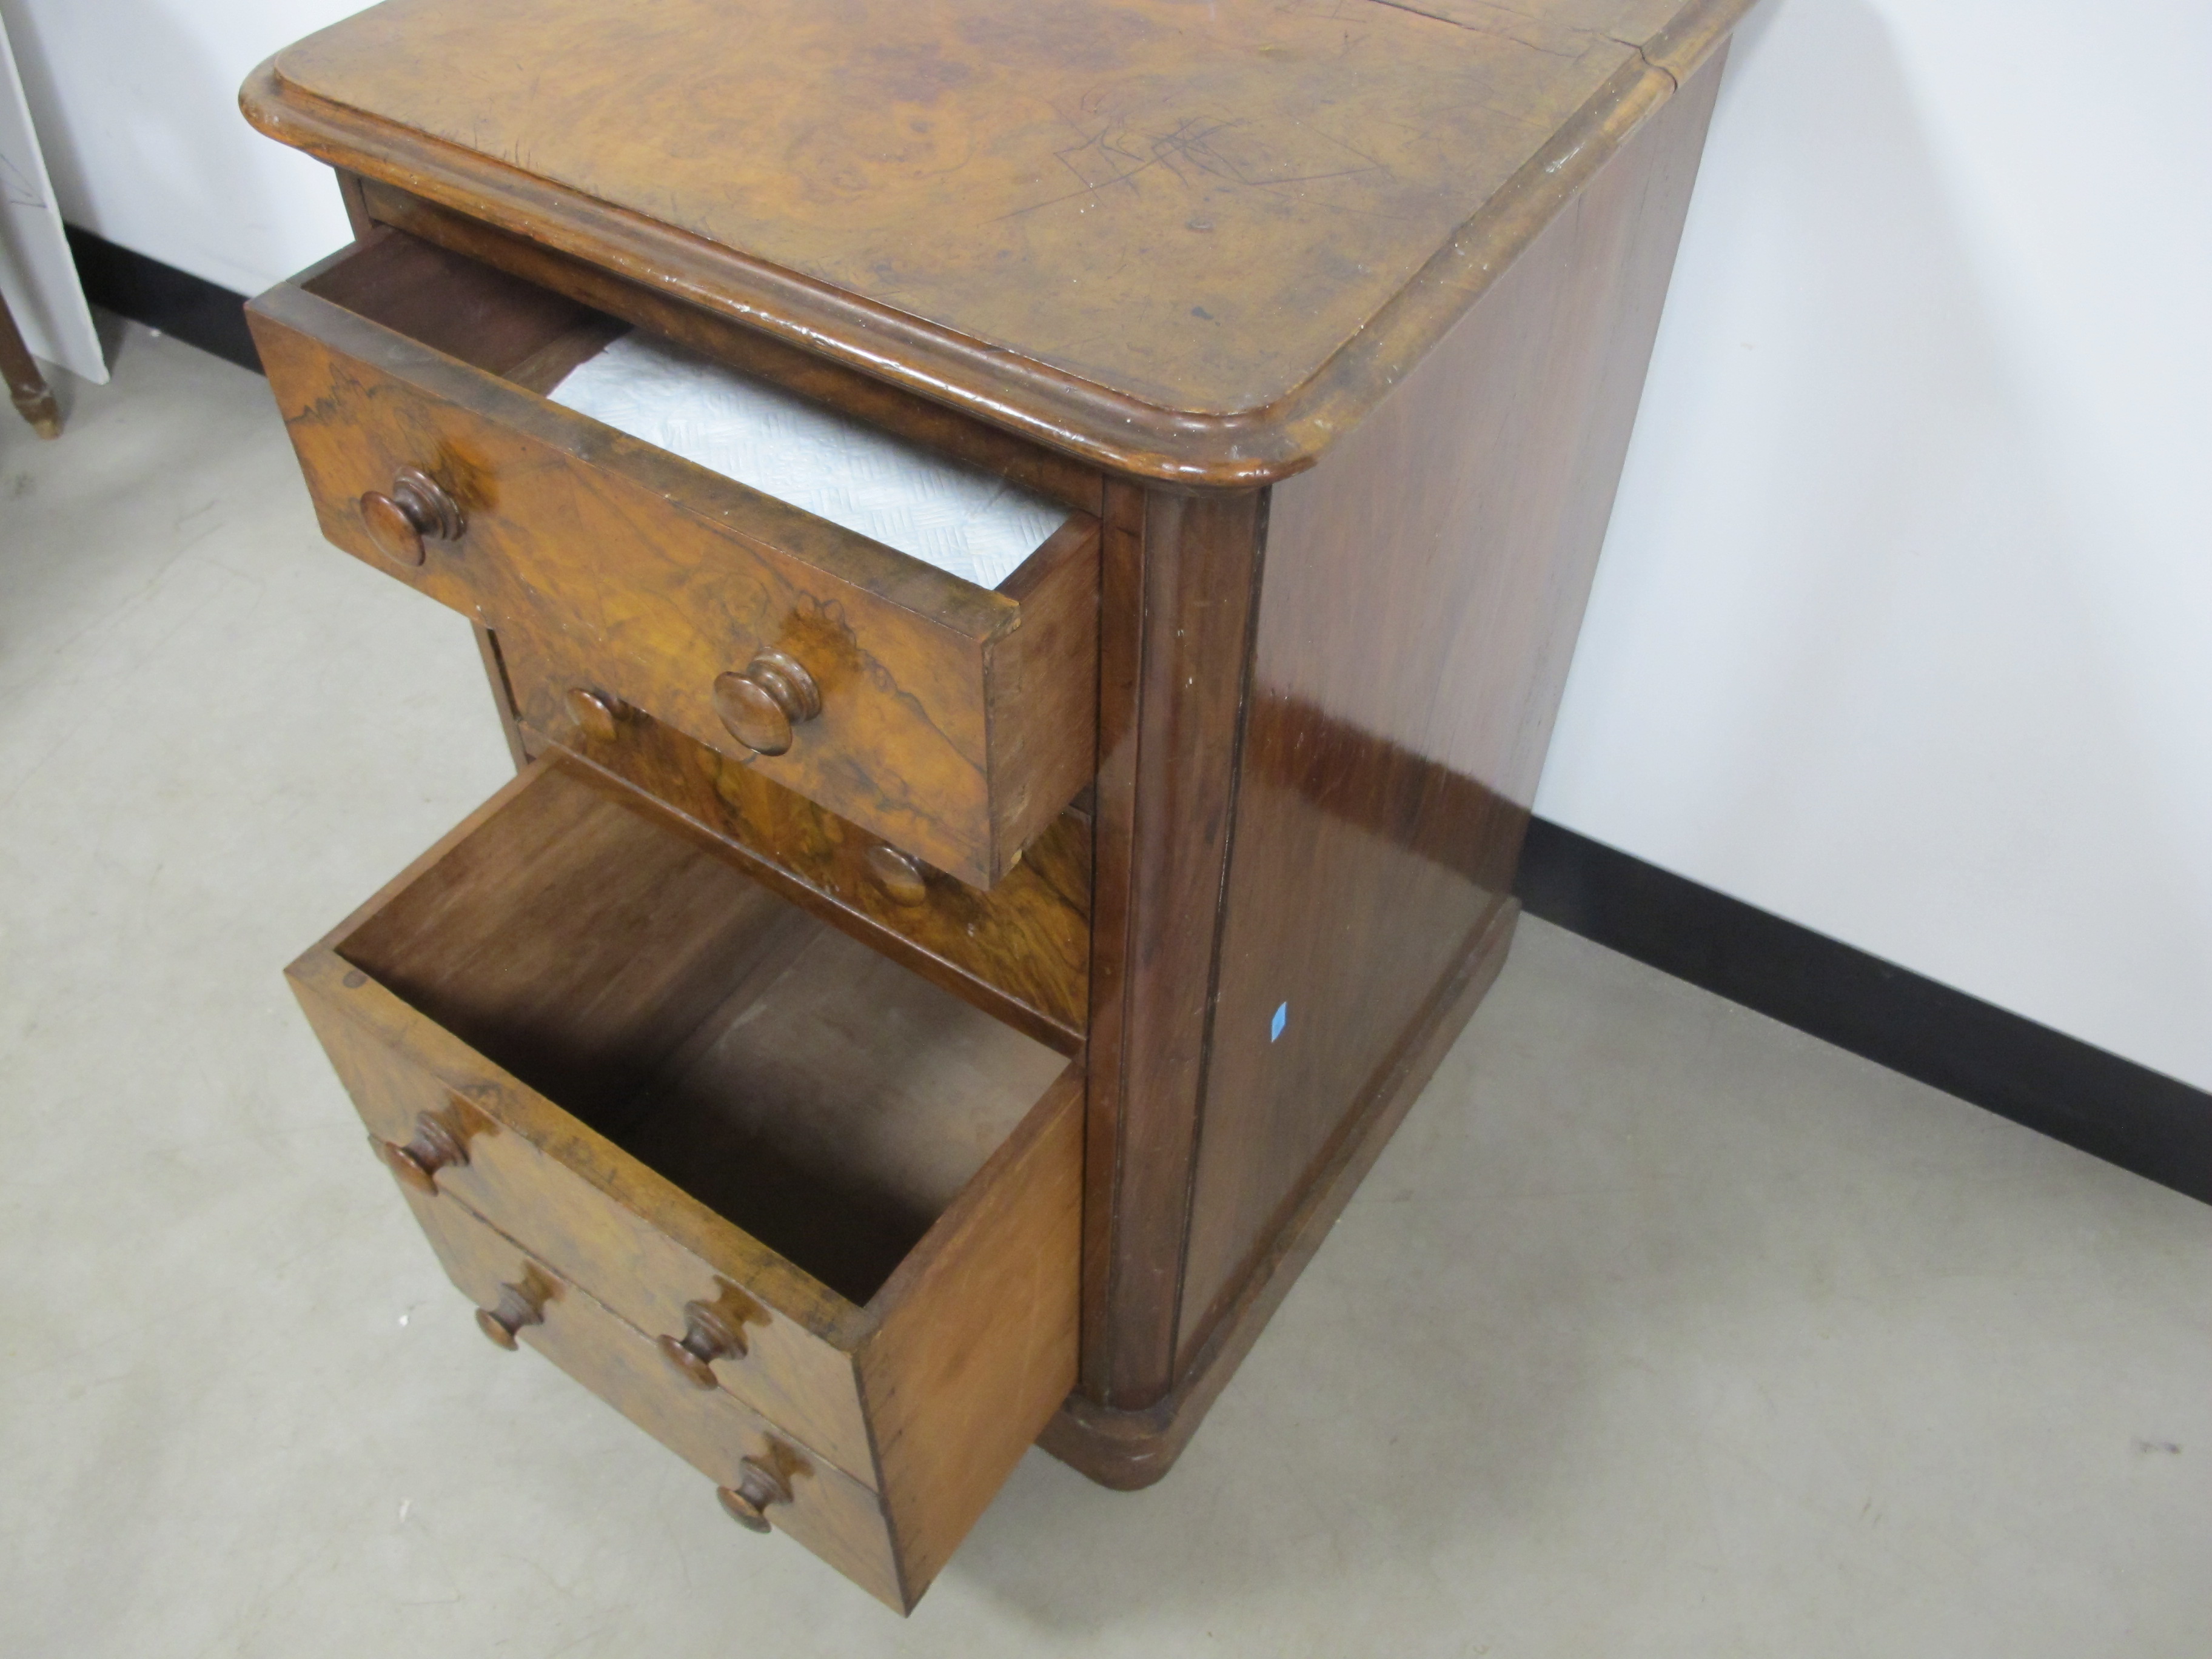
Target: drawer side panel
977 1345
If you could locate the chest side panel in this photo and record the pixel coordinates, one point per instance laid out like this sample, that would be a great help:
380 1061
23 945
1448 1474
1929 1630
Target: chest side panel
1422 593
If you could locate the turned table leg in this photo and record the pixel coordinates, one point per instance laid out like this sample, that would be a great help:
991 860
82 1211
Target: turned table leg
34 398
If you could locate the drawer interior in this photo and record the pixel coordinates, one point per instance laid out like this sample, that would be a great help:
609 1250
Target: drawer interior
959 519
657 306
824 1098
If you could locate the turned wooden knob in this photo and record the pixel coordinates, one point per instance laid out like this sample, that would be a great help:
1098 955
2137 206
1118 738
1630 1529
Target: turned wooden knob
899 875
518 1305
761 705
418 1163
759 1487
418 506
598 715
707 1337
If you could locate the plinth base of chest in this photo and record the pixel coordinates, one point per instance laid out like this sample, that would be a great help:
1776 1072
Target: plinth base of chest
1130 1449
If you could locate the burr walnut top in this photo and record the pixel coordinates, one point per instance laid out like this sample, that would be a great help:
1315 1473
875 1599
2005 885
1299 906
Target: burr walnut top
1192 238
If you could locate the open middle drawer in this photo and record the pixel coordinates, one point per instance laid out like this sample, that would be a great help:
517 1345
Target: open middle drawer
954 720
810 1178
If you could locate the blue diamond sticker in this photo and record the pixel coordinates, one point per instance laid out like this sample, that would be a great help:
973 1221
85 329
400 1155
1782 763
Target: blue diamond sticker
1282 1018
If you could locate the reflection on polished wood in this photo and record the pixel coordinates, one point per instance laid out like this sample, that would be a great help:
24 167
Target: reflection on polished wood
1421 590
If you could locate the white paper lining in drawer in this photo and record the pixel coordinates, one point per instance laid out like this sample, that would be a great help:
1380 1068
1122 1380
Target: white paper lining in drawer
968 522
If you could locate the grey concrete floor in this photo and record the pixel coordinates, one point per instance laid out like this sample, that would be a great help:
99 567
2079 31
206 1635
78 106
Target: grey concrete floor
1659 1330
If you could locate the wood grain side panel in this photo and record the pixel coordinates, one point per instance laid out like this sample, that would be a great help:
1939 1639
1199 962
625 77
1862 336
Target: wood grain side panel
502 694
1113 802
1424 588
830 1514
662 569
1128 1449
1043 691
1180 573
468 311
976 1345
359 220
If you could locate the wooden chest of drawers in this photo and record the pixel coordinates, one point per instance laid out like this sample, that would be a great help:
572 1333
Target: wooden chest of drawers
890 1018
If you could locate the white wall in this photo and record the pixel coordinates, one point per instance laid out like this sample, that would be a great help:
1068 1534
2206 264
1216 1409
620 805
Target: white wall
137 102
1904 630
37 276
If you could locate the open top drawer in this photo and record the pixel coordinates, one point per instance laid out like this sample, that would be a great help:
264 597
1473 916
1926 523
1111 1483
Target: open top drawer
953 720
811 1179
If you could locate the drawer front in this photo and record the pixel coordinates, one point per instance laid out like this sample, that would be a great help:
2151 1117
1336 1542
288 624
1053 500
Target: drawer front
1024 945
954 721
583 1209
835 1516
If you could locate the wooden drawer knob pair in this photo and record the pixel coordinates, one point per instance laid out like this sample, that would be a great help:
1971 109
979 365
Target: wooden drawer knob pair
707 1337
599 716
760 704
416 1163
418 506
759 1489
902 877
518 1305
596 715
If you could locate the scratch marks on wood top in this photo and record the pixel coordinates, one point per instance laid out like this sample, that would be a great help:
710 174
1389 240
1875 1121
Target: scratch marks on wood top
1195 149
1552 39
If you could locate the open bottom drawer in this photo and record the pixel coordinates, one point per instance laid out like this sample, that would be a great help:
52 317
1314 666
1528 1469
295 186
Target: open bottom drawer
809 1179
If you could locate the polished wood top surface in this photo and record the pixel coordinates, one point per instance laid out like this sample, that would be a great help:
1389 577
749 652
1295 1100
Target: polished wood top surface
1194 238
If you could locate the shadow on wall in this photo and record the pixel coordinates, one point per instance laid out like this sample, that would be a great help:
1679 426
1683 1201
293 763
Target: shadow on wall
1852 655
